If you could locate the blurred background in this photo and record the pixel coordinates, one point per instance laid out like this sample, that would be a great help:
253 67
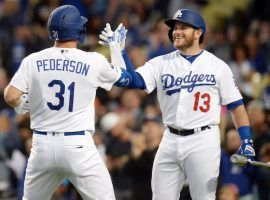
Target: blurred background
128 122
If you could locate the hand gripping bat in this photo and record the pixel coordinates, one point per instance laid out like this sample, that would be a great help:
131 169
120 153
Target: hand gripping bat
243 161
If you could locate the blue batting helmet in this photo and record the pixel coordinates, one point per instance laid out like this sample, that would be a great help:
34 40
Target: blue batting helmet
66 23
189 17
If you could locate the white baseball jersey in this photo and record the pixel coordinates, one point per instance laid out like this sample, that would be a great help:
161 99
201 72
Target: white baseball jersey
190 94
62 83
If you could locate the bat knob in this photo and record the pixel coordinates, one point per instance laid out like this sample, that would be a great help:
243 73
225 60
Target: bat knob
238 159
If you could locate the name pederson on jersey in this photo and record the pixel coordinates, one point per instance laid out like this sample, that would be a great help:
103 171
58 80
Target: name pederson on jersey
190 94
61 84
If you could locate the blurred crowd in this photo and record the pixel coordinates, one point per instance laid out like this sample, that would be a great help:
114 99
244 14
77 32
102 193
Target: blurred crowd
128 122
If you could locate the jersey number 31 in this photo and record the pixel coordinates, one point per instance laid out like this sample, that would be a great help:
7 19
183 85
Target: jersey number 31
60 96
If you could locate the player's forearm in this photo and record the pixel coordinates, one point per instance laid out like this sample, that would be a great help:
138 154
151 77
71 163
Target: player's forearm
239 116
137 80
241 121
129 77
12 96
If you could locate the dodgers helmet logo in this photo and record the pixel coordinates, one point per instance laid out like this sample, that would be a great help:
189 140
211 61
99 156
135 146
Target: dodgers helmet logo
178 14
55 35
174 84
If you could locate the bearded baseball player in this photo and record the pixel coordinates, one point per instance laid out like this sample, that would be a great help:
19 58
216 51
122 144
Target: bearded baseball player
192 84
61 84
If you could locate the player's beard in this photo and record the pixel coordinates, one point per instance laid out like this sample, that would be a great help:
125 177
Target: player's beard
185 43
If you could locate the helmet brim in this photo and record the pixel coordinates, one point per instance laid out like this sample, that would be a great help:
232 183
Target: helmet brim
170 22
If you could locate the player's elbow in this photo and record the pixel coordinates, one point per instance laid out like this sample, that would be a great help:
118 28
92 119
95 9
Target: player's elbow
10 99
12 96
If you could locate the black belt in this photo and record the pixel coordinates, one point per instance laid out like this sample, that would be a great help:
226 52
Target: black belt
185 132
65 133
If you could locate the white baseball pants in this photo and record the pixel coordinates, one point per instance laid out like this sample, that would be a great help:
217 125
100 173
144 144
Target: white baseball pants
195 157
55 157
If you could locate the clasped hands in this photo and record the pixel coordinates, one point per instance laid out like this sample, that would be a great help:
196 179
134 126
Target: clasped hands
118 36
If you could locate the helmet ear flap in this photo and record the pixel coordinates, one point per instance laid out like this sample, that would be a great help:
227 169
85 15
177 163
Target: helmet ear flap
82 34
170 34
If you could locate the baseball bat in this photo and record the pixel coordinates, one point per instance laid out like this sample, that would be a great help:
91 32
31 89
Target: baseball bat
242 160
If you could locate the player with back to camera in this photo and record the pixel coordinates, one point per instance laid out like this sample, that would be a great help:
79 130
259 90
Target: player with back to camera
192 84
59 86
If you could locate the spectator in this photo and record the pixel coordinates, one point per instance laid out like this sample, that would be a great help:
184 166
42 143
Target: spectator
263 174
144 147
242 71
256 53
131 109
7 176
266 102
228 192
239 176
118 149
3 84
259 128
220 47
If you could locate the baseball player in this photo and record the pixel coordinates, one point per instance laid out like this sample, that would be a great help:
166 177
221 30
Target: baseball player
61 84
192 84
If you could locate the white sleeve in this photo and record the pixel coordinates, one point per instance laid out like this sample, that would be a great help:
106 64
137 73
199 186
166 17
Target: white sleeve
116 55
108 74
150 73
21 79
229 91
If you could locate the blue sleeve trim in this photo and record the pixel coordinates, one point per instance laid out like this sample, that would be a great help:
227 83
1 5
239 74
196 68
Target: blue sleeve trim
137 80
124 80
235 104
244 132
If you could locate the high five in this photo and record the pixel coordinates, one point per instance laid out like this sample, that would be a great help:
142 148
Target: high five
192 84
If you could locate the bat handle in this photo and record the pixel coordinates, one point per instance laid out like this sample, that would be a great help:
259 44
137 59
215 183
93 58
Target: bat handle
260 164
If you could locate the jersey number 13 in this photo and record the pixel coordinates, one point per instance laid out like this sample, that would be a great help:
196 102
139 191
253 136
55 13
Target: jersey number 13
60 96
201 99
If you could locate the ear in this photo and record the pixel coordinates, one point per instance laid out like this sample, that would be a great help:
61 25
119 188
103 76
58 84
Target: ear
170 34
198 33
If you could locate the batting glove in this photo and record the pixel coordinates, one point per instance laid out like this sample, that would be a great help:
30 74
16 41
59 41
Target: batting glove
118 36
24 105
246 149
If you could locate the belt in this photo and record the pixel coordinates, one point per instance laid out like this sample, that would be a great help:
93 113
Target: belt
186 132
65 133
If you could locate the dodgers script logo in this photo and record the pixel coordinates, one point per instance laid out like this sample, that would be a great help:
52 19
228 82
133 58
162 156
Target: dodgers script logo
190 81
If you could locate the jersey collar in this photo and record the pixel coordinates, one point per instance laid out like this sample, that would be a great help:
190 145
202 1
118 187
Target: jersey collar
191 58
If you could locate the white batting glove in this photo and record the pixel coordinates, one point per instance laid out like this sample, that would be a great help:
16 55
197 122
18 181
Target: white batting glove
24 105
116 42
111 37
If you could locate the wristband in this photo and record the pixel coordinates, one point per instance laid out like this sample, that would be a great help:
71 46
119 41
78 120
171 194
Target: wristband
244 132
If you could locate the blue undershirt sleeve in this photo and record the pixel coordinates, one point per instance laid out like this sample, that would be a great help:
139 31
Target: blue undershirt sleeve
137 80
124 80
